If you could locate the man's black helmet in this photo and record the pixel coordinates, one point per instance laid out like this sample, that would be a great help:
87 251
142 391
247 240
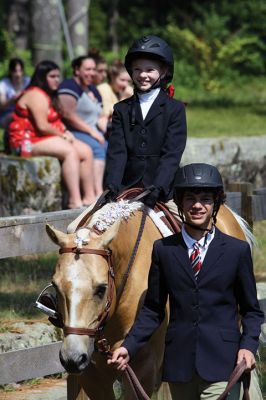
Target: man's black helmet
198 175
153 47
195 177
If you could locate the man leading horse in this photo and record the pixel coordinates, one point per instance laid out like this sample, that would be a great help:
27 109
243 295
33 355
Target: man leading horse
209 280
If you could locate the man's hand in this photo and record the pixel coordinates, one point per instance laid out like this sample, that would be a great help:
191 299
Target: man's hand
248 356
120 358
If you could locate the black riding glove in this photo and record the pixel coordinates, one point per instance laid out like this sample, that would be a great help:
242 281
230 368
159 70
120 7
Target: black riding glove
151 199
112 194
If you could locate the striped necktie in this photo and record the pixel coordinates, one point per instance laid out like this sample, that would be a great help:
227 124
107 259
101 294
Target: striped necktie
195 259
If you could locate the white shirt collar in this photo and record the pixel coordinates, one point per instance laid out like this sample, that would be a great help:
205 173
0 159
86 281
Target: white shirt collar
149 96
203 242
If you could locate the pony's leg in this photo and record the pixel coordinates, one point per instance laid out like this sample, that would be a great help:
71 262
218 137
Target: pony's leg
97 385
163 393
254 390
74 389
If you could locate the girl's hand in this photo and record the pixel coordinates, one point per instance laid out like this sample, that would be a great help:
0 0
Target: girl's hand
69 136
98 137
102 123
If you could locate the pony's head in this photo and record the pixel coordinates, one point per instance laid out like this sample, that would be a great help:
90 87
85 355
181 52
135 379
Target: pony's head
84 282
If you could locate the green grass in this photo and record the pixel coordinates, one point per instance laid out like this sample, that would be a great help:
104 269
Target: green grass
22 279
226 121
243 91
235 108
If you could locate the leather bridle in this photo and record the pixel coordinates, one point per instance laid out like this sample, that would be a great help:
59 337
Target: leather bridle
102 317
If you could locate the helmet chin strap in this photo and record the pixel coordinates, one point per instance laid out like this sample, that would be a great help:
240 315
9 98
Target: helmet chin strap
198 228
155 85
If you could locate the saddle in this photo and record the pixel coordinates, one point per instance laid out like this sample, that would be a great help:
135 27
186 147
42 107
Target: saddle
168 218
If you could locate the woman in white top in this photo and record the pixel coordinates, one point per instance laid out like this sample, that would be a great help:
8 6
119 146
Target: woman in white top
10 89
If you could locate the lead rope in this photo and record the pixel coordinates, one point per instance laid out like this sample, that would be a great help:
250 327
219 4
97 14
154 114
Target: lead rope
239 372
139 393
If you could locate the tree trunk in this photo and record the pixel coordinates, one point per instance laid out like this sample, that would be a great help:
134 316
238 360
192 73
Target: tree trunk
78 21
113 18
47 41
18 23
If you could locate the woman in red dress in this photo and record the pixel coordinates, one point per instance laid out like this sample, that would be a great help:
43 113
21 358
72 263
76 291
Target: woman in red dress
37 116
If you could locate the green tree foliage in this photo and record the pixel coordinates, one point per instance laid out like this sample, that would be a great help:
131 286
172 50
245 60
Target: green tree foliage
212 41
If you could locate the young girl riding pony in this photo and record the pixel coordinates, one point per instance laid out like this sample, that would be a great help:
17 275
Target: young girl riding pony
148 129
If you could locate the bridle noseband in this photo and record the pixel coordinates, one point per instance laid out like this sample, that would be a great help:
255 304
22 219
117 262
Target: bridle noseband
102 317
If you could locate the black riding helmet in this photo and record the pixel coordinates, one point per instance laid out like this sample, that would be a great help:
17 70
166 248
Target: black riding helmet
198 177
153 47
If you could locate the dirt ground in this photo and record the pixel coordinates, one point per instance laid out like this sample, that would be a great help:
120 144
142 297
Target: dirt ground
45 389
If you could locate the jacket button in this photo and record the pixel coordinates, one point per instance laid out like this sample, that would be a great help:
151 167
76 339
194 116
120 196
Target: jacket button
143 144
143 131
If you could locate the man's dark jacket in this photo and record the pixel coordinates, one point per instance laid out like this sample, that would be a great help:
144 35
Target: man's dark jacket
148 152
203 332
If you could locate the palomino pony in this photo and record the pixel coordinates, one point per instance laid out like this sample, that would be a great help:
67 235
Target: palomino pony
100 288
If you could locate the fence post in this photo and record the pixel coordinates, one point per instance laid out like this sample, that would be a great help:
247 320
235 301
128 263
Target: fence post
245 188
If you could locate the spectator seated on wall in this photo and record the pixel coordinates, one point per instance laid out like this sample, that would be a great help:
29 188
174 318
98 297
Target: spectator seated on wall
37 129
83 114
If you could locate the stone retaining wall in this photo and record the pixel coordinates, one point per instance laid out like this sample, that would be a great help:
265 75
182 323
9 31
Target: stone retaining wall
240 159
30 185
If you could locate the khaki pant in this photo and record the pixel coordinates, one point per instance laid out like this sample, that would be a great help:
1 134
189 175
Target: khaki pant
199 389
173 208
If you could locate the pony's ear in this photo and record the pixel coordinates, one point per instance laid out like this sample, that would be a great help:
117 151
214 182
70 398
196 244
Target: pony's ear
110 234
72 227
56 236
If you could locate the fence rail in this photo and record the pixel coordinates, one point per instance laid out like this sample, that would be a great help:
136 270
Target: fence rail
25 235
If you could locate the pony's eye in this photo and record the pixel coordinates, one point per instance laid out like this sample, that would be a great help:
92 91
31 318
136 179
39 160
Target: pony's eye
100 291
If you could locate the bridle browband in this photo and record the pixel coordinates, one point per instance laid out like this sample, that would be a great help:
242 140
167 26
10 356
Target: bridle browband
102 317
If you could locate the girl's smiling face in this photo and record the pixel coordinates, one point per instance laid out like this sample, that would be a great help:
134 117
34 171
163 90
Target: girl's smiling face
146 73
